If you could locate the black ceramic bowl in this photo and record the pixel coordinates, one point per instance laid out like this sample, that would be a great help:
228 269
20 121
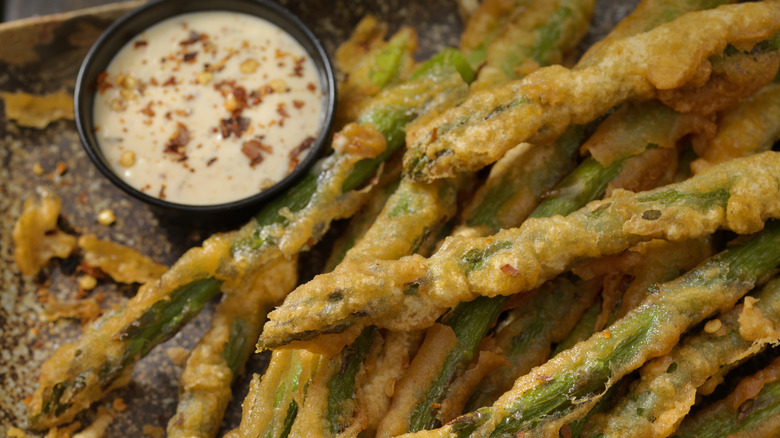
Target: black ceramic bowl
138 20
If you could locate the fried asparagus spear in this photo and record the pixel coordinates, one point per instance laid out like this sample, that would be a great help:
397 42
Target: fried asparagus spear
752 409
535 34
566 387
221 353
368 64
544 103
80 373
668 385
412 292
749 127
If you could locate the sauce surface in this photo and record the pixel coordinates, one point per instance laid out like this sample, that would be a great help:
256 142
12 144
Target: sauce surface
208 107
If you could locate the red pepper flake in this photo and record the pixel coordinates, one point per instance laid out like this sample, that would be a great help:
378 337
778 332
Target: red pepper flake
140 43
311 87
161 195
225 87
295 153
193 38
96 272
153 82
280 54
170 81
253 149
102 83
211 161
233 125
190 57
544 378
565 431
510 270
281 109
147 110
255 97
298 67
237 101
178 143
298 104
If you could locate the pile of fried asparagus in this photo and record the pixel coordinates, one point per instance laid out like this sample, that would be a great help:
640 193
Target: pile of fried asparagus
603 278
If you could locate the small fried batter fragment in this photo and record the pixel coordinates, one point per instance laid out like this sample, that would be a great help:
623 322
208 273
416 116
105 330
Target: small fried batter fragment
119 262
33 111
36 236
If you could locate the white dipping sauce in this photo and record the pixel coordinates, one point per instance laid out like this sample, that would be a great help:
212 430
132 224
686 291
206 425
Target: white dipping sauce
208 107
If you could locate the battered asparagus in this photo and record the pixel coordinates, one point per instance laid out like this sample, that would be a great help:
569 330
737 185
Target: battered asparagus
749 127
567 386
540 106
539 33
752 408
221 353
668 386
72 378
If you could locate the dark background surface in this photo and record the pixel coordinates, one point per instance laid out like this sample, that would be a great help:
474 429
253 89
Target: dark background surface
14 9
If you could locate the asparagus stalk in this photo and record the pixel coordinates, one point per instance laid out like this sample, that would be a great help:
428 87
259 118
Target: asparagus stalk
369 64
73 378
647 15
272 404
220 355
539 33
540 106
567 386
738 195
749 127
668 385
72 393
743 412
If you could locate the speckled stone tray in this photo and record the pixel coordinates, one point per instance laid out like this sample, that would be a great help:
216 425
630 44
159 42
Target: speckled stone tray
43 55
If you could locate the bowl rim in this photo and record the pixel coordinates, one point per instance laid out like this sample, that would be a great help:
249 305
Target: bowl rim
148 15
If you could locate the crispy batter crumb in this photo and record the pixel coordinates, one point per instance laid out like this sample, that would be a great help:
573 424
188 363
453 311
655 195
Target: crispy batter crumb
106 217
87 282
61 168
37 168
177 355
98 427
63 431
153 431
712 326
119 404
14 432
